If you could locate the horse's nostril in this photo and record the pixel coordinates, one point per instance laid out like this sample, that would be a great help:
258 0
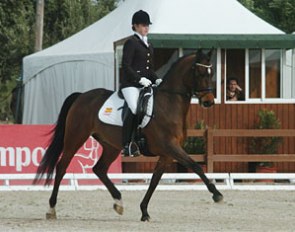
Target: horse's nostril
207 103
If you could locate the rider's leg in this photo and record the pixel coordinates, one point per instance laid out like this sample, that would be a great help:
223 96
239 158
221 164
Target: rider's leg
131 95
129 123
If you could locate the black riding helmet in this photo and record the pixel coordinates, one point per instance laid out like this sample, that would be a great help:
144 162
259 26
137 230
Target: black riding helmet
141 17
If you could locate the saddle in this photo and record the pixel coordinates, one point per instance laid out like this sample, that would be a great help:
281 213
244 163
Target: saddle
143 106
114 109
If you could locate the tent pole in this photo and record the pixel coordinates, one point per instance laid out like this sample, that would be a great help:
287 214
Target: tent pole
39 25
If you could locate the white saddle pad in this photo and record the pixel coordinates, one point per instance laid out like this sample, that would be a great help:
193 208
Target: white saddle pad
111 111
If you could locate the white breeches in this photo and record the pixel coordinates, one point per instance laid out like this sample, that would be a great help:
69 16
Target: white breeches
131 95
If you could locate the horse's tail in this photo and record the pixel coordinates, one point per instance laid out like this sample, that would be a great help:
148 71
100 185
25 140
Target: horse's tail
56 146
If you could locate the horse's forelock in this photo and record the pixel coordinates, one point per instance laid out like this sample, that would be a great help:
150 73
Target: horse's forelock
201 56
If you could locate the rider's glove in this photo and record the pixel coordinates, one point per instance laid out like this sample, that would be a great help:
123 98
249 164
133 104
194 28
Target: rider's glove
158 81
145 82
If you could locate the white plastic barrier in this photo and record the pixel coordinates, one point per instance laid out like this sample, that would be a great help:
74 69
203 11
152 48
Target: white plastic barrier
252 177
169 181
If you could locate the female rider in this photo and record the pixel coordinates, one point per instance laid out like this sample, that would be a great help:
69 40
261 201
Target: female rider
138 72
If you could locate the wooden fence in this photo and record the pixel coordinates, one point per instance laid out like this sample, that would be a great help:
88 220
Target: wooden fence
211 157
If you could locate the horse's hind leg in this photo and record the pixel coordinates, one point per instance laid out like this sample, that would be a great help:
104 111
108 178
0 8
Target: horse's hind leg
101 168
60 172
72 144
158 172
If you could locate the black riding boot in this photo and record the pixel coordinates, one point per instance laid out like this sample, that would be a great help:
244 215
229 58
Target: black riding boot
129 127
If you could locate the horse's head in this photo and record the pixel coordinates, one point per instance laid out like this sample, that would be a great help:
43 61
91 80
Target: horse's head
203 73
191 75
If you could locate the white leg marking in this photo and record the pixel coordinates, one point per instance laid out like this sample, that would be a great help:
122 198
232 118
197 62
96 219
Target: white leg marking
118 206
119 202
51 214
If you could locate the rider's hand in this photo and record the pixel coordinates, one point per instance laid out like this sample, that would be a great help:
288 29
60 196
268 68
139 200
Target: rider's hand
145 82
158 81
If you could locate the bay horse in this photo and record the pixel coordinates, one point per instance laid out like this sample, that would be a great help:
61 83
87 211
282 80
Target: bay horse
77 120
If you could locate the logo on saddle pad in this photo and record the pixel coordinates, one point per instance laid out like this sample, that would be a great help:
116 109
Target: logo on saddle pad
108 111
111 111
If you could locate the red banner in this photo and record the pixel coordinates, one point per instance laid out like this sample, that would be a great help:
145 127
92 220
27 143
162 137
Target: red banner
23 146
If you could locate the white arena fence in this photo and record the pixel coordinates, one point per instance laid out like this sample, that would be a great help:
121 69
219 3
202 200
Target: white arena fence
169 181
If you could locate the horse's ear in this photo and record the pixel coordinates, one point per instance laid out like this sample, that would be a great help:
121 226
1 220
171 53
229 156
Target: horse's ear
200 51
209 54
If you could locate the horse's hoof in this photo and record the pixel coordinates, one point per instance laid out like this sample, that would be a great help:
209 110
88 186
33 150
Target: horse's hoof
145 218
118 208
51 214
218 198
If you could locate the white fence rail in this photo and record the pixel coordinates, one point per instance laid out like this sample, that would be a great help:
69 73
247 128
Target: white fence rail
169 181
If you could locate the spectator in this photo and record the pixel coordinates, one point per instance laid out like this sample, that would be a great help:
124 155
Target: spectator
234 92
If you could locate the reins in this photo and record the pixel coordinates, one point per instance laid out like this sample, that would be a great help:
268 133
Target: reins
177 92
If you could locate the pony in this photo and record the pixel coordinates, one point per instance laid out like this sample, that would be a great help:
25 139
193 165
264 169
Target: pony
189 75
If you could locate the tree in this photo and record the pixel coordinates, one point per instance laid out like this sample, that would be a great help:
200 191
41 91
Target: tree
62 19
284 14
279 13
16 36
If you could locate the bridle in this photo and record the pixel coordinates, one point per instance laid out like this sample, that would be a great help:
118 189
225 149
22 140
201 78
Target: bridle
206 66
199 92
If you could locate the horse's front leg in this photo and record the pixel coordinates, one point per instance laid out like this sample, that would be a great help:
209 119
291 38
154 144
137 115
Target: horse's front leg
183 158
158 172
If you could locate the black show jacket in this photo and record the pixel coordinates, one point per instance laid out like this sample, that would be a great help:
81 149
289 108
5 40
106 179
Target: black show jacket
137 62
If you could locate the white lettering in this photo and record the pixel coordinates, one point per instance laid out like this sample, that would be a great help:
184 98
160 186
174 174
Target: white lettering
20 157
35 157
3 159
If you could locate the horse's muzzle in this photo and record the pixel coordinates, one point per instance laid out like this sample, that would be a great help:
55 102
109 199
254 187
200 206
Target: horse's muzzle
207 104
207 100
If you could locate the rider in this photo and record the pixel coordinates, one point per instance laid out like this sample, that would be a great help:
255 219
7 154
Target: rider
138 71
